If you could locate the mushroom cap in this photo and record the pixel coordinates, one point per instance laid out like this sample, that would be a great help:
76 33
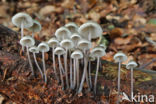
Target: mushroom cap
103 46
43 47
131 64
34 49
98 52
77 54
27 41
120 57
53 42
91 28
62 33
59 51
36 27
20 18
67 44
84 44
75 37
72 27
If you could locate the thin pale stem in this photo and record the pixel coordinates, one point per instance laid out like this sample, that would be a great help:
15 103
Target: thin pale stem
66 71
22 34
90 77
44 68
61 76
131 83
97 70
32 34
71 73
37 65
74 83
87 80
77 72
53 57
30 63
119 83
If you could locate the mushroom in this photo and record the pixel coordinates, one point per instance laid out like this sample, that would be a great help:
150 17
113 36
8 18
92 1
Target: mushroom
60 51
62 33
22 20
67 44
131 65
72 27
84 45
35 50
43 47
76 55
97 52
53 43
119 57
90 30
36 27
75 38
27 42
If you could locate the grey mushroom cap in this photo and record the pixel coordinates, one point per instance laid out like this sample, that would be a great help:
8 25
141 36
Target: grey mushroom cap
53 42
27 41
90 28
131 64
98 52
72 27
43 47
75 37
34 49
20 18
59 51
120 57
84 44
62 33
77 54
36 27
67 44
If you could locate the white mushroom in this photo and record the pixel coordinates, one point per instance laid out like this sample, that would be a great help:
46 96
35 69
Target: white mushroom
60 51
131 65
72 27
43 47
27 42
75 38
97 52
119 57
35 50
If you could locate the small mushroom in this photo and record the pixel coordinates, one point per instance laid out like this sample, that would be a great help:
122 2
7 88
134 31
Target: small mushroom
97 52
76 55
43 47
60 51
67 44
72 27
35 50
75 38
131 65
27 42
119 57
90 30
62 33
36 27
53 43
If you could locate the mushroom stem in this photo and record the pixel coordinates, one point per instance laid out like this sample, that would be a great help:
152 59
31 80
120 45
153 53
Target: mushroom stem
53 55
97 70
84 74
22 34
32 34
77 71
71 73
131 83
66 71
61 76
30 63
44 68
74 82
90 78
119 83
34 55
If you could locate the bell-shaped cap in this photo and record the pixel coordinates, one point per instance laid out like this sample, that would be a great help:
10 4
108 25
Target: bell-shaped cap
67 44
27 41
131 64
34 49
43 47
72 27
103 46
20 18
120 57
62 33
77 54
75 37
53 42
90 28
59 51
36 27
84 44
98 52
